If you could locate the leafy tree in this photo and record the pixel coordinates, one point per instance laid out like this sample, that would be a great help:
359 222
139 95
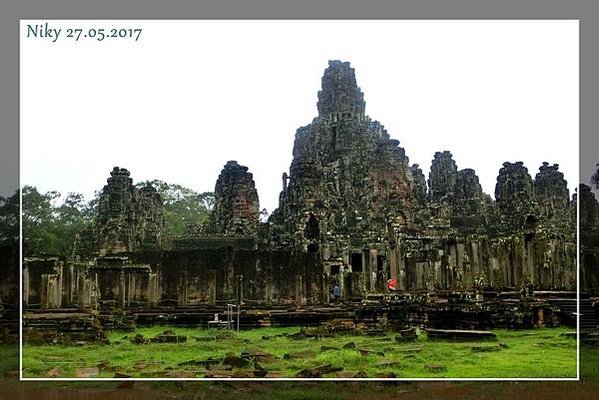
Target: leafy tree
182 206
49 228
9 219
595 178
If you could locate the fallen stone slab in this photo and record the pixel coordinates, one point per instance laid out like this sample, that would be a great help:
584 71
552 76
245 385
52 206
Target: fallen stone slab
366 352
411 350
169 339
387 374
88 372
350 345
139 339
219 373
243 374
180 374
140 365
389 364
407 335
259 356
203 363
236 362
275 374
317 372
154 374
55 373
260 373
299 354
351 374
460 335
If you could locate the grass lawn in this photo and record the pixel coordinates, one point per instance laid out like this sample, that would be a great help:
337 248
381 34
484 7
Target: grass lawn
528 353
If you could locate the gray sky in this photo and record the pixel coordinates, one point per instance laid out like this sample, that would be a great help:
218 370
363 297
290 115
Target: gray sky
191 95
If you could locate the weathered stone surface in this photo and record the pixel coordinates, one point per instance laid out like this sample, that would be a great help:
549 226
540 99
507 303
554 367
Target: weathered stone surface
418 184
458 334
514 194
317 372
443 176
90 372
236 362
551 192
236 208
128 219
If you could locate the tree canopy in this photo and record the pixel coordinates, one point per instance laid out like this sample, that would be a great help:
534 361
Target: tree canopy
182 206
51 222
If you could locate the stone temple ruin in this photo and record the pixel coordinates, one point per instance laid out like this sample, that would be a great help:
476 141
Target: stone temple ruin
352 213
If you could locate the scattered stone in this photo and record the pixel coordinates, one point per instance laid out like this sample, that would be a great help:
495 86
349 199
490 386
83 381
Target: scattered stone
259 356
180 374
140 365
300 354
219 373
317 372
461 335
351 374
503 345
55 373
350 345
386 374
366 352
275 374
169 339
436 368
139 339
389 364
121 375
243 374
260 373
236 362
407 335
411 350
204 363
88 372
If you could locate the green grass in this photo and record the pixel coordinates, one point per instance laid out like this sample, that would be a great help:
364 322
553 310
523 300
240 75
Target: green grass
531 353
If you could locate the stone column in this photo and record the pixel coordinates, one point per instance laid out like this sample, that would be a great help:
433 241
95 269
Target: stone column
372 270
212 287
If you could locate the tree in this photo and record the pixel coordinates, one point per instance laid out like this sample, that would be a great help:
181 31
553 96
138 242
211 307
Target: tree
182 206
49 228
595 178
9 219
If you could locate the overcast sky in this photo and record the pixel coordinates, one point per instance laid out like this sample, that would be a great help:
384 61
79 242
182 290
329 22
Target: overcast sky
191 95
